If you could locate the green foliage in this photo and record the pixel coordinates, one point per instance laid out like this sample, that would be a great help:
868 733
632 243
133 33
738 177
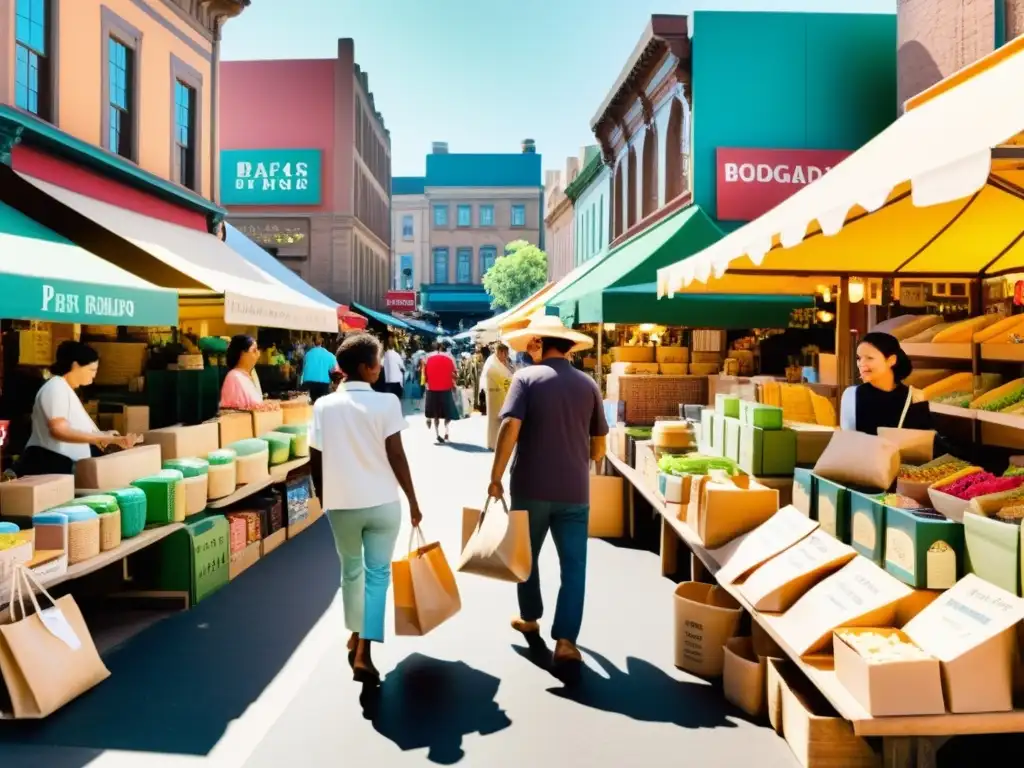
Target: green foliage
521 272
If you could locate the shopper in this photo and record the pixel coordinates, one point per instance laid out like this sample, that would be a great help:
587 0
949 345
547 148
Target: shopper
495 380
440 375
317 366
394 370
239 391
358 464
554 419
62 431
882 399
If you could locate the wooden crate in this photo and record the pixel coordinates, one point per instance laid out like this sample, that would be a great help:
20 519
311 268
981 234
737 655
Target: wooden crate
645 398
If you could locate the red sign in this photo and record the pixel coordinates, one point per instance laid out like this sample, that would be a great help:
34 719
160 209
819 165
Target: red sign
401 300
753 181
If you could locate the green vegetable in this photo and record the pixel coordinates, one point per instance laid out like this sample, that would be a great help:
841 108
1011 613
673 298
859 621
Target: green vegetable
1013 471
695 464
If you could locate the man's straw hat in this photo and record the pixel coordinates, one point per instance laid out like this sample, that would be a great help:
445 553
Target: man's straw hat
545 326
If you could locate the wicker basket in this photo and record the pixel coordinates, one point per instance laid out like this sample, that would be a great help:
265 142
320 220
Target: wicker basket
645 398
84 539
110 531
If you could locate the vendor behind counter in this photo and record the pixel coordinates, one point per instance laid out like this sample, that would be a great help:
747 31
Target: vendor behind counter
882 399
241 390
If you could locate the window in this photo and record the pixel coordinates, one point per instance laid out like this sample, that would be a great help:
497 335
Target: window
465 215
518 215
440 215
440 265
185 134
121 62
407 228
486 215
32 78
405 275
488 255
464 266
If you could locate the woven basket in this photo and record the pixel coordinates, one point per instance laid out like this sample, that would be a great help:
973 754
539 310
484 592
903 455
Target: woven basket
110 531
84 540
645 398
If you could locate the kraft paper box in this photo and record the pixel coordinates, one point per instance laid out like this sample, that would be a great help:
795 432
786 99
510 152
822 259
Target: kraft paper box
993 550
742 555
768 452
923 551
892 688
234 427
185 442
857 595
811 441
732 439
805 492
730 507
27 495
971 630
780 582
117 470
743 676
126 419
266 421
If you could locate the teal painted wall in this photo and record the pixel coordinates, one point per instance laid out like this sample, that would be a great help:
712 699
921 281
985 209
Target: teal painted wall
787 81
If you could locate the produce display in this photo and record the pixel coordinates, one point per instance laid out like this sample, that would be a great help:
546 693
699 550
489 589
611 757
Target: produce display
695 464
1011 513
1013 471
900 501
956 399
960 383
1000 398
980 484
1000 332
878 648
917 325
963 332
926 336
933 471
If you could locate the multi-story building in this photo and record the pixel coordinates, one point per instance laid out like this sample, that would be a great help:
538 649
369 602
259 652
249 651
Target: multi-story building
472 206
591 196
559 222
311 180
410 227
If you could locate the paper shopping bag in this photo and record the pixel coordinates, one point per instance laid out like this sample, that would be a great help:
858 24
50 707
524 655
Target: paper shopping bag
917 446
426 594
855 458
47 658
496 545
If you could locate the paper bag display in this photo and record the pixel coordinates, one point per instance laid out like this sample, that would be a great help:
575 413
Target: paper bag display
970 629
496 545
706 617
916 446
743 676
860 594
730 507
781 581
426 594
742 555
47 658
607 511
854 458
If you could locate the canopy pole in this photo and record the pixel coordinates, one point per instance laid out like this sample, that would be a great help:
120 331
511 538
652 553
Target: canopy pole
844 340
599 367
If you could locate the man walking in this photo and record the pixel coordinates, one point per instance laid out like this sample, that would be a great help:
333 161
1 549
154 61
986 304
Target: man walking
554 419
440 374
317 366
394 370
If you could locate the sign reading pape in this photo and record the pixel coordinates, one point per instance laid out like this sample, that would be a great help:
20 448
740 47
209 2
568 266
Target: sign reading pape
243 310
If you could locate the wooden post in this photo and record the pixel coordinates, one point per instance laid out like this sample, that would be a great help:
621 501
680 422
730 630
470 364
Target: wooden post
844 351
599 367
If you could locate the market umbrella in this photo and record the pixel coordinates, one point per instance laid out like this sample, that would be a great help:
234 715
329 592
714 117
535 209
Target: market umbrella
349 320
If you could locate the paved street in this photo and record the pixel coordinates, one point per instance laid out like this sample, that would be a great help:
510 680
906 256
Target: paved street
256 676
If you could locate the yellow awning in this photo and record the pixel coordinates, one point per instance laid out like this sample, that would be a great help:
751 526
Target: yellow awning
927 197
495 323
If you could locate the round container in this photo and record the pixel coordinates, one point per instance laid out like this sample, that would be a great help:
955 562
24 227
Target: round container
132 504
83 533
110 530
188 467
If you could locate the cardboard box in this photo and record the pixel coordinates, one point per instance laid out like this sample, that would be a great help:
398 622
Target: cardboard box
195 559
773 691
117 470
706 616
25 496
760 415
923 551
730 507
234 427
273 541
185 442
297 414
811 441
890 689
732 438
743 676
120 362
607 509
913 604
834 509
781 581
647 464
125 419
857 595
867 526
674 489
993 550
247 558
764 646
805 492
745 553
970 628
767 452
266 421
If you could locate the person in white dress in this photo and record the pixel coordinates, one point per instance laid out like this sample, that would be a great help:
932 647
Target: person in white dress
495 379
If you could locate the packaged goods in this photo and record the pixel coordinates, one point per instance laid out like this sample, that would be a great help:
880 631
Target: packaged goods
83 531
900 501
999 332
638 369
917 325
161 496
26 496
279 447
632 354
100 504
673 435
1002 397
926 336
188 467
252 464
695 464
300 438
222 476
672 355
132 503
963 332
877 648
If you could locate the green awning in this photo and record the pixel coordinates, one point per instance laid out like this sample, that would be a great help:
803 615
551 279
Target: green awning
381 317
636 262
44 276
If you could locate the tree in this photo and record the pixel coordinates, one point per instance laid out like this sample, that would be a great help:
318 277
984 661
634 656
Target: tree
517 275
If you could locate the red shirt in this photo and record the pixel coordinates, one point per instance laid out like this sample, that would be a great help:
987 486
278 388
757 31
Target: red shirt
439 372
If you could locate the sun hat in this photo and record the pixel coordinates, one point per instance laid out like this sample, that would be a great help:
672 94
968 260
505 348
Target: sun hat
543 326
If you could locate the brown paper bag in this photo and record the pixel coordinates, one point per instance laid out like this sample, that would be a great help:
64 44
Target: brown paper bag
607 511
47 658
855 458
916 446
426 594
496 546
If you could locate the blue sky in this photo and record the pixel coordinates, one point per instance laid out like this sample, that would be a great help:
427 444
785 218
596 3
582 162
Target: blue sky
479 74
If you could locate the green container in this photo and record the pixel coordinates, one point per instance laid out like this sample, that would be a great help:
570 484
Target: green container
834 509
221 457
923 551
298 443
160 495
707 431
867 525
249 446
195 559
279 445
727 405
101 504
993 551
758 415
767 452
805 491
731 447
188 467
132 503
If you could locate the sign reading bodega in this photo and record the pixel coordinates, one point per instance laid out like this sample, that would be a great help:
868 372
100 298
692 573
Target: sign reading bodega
56 302
270 177
753 181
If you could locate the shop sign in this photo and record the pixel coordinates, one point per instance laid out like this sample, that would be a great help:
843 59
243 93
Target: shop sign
240 309
753 181
275 233
270 177
66 301
401 300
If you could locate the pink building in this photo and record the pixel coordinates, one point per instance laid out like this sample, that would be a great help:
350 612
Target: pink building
320 158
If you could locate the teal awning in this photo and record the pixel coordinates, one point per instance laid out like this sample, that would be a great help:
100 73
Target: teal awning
382 317
44 276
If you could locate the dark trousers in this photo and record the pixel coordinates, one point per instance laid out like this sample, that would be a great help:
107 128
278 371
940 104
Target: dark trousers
316 389
395 388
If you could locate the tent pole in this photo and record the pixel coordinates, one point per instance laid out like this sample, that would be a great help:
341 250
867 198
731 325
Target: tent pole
844 356
599 368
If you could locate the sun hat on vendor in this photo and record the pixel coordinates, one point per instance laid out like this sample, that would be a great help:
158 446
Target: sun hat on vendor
543 326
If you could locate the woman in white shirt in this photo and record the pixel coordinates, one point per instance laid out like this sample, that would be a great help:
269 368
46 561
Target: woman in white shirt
62 431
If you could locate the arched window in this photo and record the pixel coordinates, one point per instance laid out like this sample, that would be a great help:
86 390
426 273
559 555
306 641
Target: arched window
650 177
631 190
617 193
675 181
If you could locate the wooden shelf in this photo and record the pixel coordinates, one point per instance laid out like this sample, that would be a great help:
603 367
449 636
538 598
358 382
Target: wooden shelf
1003 353
241 492
952 410
280 473
939 351
819 669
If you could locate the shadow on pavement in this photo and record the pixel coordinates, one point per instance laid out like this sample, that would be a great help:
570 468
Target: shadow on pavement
427 702
467 447
641 692
175 687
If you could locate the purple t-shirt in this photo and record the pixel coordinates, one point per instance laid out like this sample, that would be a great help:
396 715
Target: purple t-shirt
560 408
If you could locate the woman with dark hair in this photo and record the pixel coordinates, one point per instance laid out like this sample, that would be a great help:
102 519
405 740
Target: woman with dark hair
62 431
882 400
240 391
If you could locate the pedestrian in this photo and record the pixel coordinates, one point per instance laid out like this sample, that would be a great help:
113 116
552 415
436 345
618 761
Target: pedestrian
358 464
440 374
394 370
317 366
553 417
495 380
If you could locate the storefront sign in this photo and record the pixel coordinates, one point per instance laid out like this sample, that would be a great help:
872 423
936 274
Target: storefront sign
401 300
246 310
292 234
66 301
270 177
753 181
